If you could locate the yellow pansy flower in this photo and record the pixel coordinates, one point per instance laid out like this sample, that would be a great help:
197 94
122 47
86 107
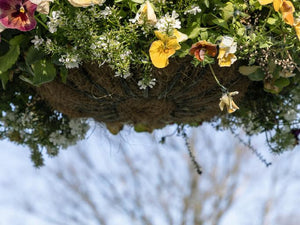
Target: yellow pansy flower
226 100
162 49
276 3
297 28
227 48
86 3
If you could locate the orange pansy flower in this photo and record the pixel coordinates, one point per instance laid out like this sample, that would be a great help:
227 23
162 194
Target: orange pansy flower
201 48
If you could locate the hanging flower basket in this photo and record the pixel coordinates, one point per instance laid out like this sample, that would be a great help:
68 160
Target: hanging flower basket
148 64
183 94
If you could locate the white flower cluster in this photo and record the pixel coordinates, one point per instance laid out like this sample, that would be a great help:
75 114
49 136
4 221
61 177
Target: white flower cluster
78 129
106 12
110 50
168 23
82 20
37 41
70 60
56 20
193 10
144 83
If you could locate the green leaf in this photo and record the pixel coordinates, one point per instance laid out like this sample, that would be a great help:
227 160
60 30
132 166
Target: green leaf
63 74
138 1
195 32
220 22
247 70
17 40
10 58
227 11
204 34
141 128
206 2
241 31
5 78
44 72
282 82
33 55
258 75
271 21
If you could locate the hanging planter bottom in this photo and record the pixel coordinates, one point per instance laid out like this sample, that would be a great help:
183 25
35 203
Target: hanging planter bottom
183 94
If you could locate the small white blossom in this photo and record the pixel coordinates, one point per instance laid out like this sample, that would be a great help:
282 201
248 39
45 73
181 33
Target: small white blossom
55 21
168 23
37 41
70 60
106 12
144 83
193 10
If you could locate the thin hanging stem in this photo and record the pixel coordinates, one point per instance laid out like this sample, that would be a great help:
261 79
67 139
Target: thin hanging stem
224 89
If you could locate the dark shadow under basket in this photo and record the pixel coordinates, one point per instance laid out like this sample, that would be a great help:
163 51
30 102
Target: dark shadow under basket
182 94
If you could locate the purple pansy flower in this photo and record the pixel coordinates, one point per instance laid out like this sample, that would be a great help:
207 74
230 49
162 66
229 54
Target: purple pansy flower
17 14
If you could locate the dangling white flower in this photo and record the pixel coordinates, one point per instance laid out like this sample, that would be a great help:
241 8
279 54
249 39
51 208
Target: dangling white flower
226 52
226 100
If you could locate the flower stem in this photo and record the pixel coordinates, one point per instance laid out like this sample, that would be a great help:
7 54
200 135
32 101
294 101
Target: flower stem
42 23
224 89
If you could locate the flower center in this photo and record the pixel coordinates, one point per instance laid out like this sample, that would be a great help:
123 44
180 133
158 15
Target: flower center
22 10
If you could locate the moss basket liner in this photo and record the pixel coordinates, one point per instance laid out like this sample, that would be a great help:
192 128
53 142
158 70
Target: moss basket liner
182 94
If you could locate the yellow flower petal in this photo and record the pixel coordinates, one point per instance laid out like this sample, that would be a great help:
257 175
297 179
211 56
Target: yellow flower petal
226 100
180 36
277 4
172 43
222 53
85 3
161 36
297 28
157 54
147 14
287 9
265 2
227 61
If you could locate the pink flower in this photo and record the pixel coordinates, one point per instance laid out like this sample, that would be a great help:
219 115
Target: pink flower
17 14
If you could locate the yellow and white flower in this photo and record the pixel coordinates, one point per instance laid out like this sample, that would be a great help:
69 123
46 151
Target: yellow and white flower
42 6
227 48
226 100
86 3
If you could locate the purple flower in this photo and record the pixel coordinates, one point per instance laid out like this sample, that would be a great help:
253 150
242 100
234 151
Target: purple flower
17 14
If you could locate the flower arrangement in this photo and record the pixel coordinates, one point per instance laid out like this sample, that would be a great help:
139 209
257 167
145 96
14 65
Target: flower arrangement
45 43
